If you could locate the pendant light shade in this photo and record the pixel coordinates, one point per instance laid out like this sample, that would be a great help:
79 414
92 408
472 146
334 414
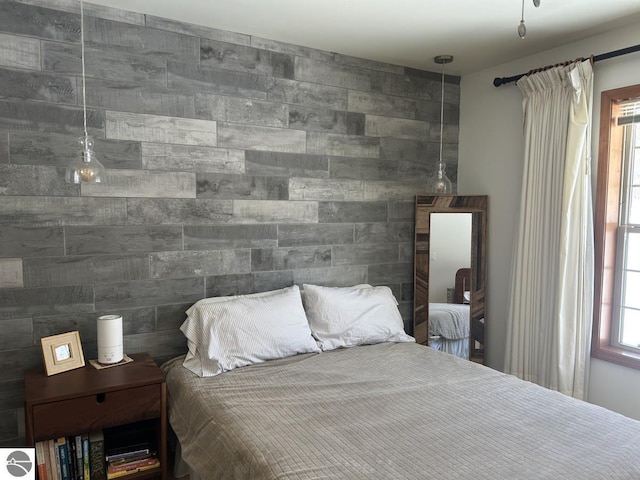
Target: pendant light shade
440 183
85 168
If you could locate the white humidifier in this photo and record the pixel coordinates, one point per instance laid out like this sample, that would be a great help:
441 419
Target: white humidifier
110 339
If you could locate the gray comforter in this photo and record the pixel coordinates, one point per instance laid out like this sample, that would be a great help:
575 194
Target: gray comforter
391 411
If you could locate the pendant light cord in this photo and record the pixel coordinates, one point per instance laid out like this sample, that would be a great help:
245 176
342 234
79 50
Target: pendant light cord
441 114
84 95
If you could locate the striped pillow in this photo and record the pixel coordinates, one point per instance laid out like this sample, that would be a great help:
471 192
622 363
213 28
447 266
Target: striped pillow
349 316
244 330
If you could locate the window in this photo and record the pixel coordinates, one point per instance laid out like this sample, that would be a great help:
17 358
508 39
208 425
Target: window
616 333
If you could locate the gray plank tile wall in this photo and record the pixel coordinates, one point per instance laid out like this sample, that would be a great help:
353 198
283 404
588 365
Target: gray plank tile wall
235 164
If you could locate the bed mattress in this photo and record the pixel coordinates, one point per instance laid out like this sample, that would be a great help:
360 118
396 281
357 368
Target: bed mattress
391 411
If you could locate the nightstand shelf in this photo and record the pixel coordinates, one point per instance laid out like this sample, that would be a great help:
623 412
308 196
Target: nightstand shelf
87 399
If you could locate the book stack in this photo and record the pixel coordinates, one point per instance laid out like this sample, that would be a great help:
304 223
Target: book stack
130 459
70 458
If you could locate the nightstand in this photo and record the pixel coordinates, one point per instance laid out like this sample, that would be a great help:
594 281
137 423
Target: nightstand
86 399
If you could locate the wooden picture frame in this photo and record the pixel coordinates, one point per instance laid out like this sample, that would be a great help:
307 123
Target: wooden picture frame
62 352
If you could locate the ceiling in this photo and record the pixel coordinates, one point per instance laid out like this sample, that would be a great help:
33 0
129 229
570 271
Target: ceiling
479 34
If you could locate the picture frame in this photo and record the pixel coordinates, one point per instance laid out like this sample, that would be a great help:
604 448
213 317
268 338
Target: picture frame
62 352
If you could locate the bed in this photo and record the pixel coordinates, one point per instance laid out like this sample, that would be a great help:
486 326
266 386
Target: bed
449 323
384 410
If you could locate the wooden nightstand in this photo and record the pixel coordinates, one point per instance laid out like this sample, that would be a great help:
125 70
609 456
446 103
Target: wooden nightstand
87 399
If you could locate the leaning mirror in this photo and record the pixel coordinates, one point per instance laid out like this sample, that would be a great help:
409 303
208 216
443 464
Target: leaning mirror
449 274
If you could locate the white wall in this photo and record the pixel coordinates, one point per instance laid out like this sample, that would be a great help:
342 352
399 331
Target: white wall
490 162
450 241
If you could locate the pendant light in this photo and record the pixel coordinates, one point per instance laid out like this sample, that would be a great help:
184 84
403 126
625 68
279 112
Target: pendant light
522 29
440 182
85 168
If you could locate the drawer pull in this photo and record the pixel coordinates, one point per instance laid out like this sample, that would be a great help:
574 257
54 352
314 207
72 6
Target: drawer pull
101 397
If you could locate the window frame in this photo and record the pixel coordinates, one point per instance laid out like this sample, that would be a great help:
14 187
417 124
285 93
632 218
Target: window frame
607 214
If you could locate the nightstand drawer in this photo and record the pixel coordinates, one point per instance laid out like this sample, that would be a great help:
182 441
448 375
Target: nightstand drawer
94 412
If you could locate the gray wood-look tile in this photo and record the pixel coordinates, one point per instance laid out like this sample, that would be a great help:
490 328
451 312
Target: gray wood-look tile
363 254
369 233
385 105
148 99
140 39
198 78
331 277
352 212
39 22
170 317
315 234
11 394
197 30
406 252
241 110
143 183
141 293
121 239
317 119
213 237
11 273
286 164
167 211
362 168
449 133
56 150
245 59
30 85
356 123
165 344
226 285
265 259
275 46
391 273
160 129
9 420
368 64
429 111
224 186
253 137
34 180
328 73
134 320
200 263
306 93
321 143
409 86
105 62
25 302
274 211
402 211
14 362
265 281
90 9
375 191
74 270
326 189
53 211
16 333
377 126
19 52
47 118
190 158
31 241
4 147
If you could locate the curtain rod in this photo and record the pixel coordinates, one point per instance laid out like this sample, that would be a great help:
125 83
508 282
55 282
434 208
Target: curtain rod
498 81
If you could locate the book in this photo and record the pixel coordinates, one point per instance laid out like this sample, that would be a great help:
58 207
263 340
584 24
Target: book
97 469
40 461
78 450
71 447
134 465
55 460
129 451
63 454
47 460
128 471
86 461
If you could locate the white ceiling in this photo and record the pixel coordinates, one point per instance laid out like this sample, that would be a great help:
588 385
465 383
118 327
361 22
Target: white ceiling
477 33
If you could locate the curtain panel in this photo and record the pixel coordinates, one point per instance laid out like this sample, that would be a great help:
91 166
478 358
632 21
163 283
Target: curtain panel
550 302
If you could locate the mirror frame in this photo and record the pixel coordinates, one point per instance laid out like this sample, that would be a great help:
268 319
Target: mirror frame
426 205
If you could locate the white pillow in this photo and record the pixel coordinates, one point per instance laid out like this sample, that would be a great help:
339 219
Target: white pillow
349 316
244 330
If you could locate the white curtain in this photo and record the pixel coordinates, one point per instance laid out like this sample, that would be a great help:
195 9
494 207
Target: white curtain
550 302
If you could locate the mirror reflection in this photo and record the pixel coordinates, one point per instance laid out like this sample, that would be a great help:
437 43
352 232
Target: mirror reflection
449 279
